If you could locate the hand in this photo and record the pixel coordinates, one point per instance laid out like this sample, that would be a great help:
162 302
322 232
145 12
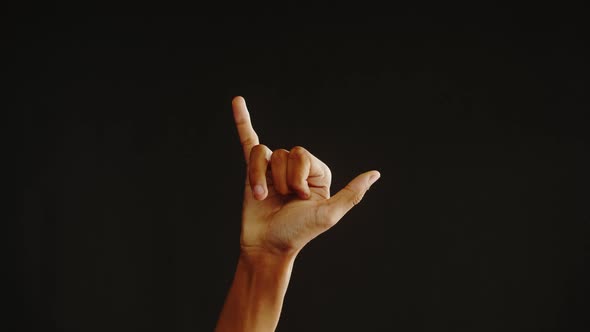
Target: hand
287 199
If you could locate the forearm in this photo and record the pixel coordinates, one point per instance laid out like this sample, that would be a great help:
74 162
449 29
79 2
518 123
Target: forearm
256 295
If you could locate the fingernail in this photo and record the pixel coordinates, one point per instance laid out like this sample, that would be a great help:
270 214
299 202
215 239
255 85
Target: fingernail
374 178
258 190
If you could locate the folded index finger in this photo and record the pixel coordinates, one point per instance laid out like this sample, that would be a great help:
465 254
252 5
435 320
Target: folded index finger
248 137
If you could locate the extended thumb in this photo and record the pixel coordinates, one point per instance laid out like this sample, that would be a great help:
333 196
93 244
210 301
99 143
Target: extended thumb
351 195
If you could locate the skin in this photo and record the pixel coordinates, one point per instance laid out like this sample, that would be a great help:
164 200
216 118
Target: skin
287 203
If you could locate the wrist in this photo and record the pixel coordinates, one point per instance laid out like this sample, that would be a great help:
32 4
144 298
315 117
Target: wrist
266 268
265 274
262 259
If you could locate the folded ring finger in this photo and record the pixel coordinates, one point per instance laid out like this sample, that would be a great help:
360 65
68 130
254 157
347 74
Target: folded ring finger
278 165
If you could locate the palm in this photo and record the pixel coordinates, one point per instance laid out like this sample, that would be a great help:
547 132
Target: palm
281 222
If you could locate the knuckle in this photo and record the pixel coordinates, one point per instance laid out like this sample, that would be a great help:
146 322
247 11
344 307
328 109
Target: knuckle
249 140
356 199
279 155
297 152
355 196
258 148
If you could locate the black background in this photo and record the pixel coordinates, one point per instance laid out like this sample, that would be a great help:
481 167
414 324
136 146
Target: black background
130 171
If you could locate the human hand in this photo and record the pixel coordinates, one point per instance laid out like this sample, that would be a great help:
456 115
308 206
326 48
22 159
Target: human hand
287 198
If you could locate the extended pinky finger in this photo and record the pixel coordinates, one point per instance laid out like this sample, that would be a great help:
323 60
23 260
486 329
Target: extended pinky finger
259 159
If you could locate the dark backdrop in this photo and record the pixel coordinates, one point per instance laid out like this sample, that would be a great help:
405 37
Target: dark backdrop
130 171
